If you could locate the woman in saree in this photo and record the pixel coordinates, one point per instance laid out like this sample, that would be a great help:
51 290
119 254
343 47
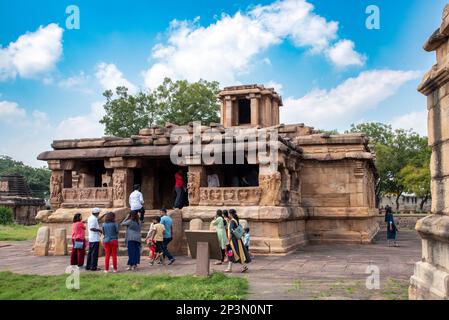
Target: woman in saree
238 252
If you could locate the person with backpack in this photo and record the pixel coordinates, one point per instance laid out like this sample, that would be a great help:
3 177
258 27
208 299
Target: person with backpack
236 251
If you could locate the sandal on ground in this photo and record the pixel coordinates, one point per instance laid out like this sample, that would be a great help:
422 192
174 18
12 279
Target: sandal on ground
244 269
228 271
129 268
218 263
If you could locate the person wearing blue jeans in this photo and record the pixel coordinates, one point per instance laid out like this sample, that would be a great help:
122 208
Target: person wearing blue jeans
168 235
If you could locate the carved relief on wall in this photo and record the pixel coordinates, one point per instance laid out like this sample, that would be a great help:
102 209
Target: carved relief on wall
56 188
4 186
118 181
230 196
87 197
193 187
271 189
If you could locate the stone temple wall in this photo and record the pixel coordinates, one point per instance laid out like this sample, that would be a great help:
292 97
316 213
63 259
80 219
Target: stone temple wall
338 199
431 275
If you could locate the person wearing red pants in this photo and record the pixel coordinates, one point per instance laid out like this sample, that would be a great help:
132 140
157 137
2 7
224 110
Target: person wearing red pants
110 241
78 241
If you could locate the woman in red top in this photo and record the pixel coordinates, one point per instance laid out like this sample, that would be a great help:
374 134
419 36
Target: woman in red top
179 188
78 230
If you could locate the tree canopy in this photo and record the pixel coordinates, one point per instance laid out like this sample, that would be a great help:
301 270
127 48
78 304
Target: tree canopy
37 178
178 102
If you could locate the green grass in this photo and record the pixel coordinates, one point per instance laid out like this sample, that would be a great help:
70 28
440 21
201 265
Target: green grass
296 286
396 289
18 232
122 287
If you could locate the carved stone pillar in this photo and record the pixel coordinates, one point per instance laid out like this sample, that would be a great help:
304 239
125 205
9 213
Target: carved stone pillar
196 177
254 110
122 179
56 184
431 275
228 112
270 183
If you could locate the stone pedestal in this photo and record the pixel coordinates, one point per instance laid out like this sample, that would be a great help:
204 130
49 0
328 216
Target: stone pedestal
60 242
202 259
431 277
42 243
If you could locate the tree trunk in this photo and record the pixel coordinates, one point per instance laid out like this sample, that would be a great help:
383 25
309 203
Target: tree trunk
423 201
397 201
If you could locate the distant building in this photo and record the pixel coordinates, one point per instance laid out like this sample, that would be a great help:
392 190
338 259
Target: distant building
16 194
408 202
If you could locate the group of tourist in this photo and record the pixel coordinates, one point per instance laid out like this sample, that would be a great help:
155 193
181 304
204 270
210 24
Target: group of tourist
158 238
233 238
160 234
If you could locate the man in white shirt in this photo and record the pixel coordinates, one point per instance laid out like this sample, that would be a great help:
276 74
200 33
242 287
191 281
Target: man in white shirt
94 240
136 202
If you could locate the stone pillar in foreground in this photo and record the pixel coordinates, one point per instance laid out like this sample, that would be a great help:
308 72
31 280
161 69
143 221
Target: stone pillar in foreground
431 275
42 243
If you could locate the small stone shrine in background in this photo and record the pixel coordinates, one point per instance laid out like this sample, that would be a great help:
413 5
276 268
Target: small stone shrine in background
16 194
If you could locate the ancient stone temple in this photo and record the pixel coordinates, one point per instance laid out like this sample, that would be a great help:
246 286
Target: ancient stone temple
16 194
291 184
431 276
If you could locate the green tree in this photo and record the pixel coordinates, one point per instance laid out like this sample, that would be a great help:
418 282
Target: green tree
395 149
182 102
415 176
37 178
178 102
127 114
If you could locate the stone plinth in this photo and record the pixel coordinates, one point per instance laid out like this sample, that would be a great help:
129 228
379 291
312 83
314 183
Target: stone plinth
274 230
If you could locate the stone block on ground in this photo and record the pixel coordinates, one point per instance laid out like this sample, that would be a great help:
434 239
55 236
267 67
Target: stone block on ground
42 243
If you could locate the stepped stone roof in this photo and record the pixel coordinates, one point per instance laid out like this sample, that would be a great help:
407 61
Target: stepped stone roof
14 191
14 185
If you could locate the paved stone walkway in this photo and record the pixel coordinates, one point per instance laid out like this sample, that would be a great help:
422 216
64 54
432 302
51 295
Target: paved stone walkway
312 272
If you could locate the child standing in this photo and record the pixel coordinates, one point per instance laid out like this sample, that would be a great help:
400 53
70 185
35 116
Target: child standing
151 242
110 241
246 239
159 239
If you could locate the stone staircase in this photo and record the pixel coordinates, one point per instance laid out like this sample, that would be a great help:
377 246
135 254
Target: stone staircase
149 215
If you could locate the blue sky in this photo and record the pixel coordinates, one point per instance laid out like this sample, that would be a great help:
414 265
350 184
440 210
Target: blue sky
330 69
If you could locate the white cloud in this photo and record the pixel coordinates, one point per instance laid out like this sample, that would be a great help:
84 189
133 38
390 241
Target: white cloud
10 111
276 85
32 53
342 54
31 133
110 77
340 106
416 120
225 49
73 81
84 126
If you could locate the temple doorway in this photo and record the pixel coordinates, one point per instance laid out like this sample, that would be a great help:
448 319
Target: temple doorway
244 111
157 180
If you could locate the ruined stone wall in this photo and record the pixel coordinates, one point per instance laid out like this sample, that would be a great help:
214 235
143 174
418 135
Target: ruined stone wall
431 275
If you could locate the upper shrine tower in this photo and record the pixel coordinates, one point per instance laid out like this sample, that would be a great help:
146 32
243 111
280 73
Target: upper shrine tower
249 106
